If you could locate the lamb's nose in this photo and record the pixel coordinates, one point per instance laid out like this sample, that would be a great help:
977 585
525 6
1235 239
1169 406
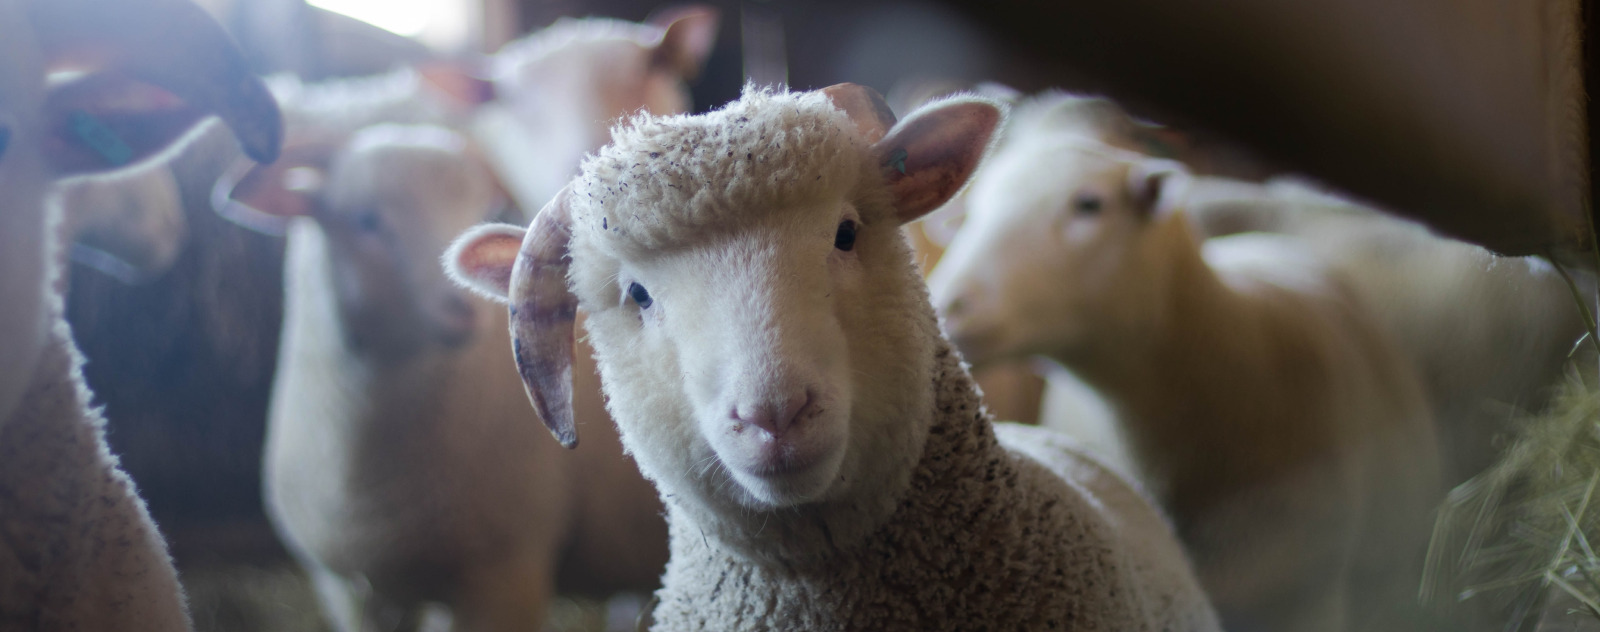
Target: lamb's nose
775 417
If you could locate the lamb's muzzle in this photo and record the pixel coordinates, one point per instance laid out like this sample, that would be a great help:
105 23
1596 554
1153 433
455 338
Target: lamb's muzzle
544 312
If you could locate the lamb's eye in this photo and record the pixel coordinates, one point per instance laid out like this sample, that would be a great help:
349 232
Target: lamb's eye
845 239
1086 204
368 222
640 296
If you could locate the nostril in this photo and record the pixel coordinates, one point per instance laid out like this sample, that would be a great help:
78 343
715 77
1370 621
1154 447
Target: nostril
775 417
792 408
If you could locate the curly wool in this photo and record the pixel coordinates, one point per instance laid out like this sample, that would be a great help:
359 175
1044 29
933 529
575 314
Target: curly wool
669 180
77 548
1009 533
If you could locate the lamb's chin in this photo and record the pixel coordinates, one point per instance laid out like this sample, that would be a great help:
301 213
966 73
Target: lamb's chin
799 481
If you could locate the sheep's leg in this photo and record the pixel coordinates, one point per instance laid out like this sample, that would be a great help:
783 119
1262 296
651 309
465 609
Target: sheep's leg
352 606
505 598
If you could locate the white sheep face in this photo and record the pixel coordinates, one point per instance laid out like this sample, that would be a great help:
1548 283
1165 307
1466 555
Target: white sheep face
763 337
788 387
395 198
1057 245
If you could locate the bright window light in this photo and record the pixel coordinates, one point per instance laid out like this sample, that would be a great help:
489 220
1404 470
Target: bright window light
406 17
442 23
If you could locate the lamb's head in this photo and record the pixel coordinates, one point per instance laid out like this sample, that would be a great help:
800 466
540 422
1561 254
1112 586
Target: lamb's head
762 334
388 200
571 80
1063 242
133 90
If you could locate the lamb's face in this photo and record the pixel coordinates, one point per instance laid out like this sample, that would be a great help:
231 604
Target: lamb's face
1053 250
394 199
763 337
588 73
770 341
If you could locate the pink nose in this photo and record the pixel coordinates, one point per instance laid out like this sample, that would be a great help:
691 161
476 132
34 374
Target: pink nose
772 416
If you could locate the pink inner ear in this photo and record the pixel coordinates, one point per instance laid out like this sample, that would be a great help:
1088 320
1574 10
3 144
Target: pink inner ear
488 259
459 83
691 34
931 155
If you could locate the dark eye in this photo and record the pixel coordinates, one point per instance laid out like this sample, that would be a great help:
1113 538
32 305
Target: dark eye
845 239
640 296
1086 203
368 222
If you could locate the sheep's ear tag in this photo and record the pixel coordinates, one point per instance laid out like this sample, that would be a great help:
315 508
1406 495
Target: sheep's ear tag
897 160
928 157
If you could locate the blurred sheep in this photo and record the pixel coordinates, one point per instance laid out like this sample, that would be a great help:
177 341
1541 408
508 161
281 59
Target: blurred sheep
77 548
1286 434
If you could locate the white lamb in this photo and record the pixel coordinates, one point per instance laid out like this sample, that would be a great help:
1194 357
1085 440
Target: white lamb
390 398
402 463
1283 431
77 548
770 356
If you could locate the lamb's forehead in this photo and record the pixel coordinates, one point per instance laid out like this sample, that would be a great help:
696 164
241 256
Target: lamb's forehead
664 180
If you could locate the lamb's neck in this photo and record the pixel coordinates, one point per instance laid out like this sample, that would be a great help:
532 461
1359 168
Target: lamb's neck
1176 386
960 452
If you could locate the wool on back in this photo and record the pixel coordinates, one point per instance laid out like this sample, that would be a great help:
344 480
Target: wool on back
988 537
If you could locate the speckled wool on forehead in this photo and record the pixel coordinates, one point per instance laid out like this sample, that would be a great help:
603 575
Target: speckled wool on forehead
665 179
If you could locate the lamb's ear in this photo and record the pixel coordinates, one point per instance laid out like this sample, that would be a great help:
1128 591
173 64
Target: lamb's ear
928 157
1155 186
144 73
252 195
543 316
690 36
865 107
481 259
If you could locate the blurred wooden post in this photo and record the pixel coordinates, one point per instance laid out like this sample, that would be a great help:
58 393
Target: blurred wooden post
501 23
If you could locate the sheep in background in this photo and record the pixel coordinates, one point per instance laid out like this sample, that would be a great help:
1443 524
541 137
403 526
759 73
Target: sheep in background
402 463
1490 335
559 90
769 354
1285 434
77 548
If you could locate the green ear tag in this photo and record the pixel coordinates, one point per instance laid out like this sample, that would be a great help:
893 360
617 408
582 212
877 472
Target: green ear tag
898 160
100 138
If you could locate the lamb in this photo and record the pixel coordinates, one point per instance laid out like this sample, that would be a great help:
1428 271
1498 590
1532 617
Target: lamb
1282 429
558 91
1489 334
401 467
770 357
77 548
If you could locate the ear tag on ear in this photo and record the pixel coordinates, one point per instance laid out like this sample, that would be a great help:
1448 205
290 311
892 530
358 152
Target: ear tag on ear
100 138
897 159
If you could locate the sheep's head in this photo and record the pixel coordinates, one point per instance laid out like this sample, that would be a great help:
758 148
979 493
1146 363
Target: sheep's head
388 200
143 73
763 336
568 83
1063 242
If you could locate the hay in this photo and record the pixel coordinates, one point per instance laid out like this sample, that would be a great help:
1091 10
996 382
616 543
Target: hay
1512 537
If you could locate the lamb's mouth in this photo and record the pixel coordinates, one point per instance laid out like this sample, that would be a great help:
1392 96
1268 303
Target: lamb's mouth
781 459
